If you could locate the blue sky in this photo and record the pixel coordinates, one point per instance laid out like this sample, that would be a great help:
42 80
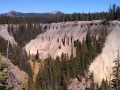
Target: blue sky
66 6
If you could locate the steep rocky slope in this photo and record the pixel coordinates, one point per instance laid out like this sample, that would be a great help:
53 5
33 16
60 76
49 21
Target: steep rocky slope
102 65
60 37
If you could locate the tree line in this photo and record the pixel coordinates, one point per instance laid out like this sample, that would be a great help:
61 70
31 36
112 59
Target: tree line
113 13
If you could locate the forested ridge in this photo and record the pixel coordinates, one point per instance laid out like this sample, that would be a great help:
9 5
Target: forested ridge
112 14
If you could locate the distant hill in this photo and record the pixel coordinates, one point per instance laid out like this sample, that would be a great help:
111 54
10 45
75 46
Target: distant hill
32 14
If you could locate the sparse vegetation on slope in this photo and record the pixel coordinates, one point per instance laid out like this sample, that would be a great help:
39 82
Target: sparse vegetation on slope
56 74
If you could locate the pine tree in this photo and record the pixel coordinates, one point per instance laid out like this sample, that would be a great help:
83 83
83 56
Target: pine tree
3 76
37 55
105 85
116 74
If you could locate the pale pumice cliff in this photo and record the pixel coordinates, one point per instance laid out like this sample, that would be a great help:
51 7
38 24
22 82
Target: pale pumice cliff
51 42
60 37
102 65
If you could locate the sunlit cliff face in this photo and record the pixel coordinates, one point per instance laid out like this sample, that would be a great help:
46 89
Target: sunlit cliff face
60 37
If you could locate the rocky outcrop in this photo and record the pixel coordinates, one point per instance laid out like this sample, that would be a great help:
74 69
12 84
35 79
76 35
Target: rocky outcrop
102 65
60 37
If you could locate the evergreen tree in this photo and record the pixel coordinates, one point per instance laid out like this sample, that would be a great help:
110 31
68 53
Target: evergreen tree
37 55
3 76
116 74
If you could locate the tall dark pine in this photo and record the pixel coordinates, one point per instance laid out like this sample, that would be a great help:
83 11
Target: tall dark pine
114 11
116 74
88 38
37 55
